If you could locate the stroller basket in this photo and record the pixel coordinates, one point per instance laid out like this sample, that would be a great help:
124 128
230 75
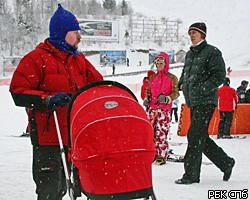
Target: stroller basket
111 141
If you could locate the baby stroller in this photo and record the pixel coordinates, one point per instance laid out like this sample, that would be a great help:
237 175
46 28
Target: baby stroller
112 147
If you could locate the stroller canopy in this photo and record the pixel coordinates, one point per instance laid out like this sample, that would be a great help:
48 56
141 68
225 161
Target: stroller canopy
111 141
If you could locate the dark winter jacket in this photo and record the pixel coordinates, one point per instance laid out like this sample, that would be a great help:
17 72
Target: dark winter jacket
248 96
241 91
43 72
203 72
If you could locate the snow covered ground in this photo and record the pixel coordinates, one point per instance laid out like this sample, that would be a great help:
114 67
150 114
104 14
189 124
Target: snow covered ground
16 156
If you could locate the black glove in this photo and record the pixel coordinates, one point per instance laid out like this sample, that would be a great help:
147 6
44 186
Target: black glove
145 102
60 99
164 99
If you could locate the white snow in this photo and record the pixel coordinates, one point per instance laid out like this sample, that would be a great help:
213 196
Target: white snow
228 29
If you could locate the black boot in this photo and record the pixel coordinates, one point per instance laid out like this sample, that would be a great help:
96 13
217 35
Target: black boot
185 181
228 172
227 137
219 136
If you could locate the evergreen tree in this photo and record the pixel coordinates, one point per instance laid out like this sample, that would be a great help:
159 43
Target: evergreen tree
27 24
109 5
3 7
124 8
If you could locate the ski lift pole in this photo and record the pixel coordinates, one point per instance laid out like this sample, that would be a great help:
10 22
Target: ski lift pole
63 156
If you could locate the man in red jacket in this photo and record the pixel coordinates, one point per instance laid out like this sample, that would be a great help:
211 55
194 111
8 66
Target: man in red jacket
44 80
228 100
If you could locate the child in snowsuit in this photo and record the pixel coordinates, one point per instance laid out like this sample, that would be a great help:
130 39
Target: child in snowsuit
163 89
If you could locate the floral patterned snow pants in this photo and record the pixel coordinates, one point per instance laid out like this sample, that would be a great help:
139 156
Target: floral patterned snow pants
160 120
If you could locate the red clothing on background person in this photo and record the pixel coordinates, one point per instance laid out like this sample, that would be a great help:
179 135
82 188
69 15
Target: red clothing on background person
144 88
228 98
227 101
145 84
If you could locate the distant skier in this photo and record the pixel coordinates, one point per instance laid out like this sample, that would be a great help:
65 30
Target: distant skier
127 62
126 35
113 69
140 63
229 70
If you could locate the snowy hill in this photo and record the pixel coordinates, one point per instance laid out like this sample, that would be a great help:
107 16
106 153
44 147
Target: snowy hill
228 26
228 23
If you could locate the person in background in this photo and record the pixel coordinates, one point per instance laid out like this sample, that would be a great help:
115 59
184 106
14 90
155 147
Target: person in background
203 72
127 61
175 110
248 96
140 63
163 89
43 82
113 68
145 87
227 104
229 70
241 91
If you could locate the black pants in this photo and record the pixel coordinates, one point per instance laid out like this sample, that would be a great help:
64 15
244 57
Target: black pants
174 110
48 173
199 142
225 123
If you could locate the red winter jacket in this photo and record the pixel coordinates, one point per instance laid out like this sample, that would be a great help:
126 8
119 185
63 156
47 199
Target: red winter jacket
145 84
43 72
228 99
144 88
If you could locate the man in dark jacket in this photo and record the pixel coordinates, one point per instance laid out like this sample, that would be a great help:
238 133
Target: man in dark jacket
241 90
203 72
248 96
43 81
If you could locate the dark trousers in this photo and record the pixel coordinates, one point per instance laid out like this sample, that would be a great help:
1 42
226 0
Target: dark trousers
199 142
225 123
174 110
48 173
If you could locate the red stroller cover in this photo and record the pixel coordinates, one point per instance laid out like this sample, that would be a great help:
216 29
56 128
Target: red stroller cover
111 142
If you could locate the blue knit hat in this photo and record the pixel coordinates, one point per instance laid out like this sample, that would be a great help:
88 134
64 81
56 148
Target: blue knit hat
61 23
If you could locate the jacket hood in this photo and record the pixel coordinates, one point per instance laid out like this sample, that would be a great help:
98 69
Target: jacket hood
145 81
166 57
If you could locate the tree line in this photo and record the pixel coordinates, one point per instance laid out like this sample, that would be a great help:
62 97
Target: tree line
25 22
